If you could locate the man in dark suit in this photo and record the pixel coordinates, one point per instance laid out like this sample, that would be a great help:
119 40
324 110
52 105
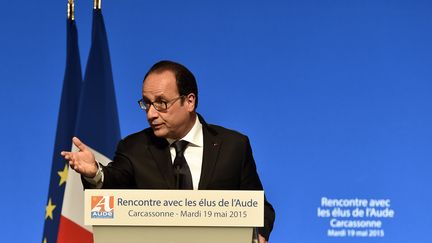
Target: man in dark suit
211 157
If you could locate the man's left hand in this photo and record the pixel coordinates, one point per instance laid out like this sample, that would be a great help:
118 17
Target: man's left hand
261 239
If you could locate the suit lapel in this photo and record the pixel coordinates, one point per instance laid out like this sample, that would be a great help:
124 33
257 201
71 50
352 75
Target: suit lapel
162 157
212 146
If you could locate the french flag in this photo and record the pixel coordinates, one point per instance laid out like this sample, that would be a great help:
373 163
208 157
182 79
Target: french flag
88 110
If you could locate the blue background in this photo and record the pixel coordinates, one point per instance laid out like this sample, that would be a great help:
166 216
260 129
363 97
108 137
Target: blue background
334 95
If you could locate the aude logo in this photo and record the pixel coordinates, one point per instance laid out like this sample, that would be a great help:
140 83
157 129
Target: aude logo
102 207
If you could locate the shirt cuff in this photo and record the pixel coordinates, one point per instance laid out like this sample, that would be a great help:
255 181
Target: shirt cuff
97 181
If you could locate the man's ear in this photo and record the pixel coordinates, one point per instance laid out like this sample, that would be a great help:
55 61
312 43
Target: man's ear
190 101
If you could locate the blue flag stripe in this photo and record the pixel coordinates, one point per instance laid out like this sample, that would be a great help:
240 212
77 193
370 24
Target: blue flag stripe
98 124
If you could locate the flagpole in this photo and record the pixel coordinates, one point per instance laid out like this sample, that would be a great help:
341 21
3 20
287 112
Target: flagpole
97 4
71 10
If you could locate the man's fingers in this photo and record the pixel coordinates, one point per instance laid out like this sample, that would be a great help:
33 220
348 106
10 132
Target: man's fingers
66 155
81 146
82 160
75 167
73 164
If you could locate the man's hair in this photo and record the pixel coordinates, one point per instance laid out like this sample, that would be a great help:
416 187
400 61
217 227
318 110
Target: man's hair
185 80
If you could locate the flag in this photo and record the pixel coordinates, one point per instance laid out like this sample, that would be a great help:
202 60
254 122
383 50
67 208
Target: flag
96 125
65 130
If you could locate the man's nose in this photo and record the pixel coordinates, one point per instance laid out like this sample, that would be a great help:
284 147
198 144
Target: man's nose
152 113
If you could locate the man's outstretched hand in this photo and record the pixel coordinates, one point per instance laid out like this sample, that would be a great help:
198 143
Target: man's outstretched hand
82 161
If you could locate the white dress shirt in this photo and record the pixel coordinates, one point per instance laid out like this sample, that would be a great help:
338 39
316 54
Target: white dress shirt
193 152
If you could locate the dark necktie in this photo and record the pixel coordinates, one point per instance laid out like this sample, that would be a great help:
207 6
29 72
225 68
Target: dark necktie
181 168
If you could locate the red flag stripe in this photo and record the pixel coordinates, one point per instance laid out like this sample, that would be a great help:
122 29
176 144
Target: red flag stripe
70 232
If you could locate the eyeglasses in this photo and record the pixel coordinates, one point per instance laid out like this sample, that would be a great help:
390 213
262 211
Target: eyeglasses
159 105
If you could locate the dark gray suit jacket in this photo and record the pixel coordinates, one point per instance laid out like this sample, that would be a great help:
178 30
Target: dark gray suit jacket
143 161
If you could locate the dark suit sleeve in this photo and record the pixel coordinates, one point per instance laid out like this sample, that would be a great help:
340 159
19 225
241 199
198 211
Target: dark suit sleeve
250 181
117 174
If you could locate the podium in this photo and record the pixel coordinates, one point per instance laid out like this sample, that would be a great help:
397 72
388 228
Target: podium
173 216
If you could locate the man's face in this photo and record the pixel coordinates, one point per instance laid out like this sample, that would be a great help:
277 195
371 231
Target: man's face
176 121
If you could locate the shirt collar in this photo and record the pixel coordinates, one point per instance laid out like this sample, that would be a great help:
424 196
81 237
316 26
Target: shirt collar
194 136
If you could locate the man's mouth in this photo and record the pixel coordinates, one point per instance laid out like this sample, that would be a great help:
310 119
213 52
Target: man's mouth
156 126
